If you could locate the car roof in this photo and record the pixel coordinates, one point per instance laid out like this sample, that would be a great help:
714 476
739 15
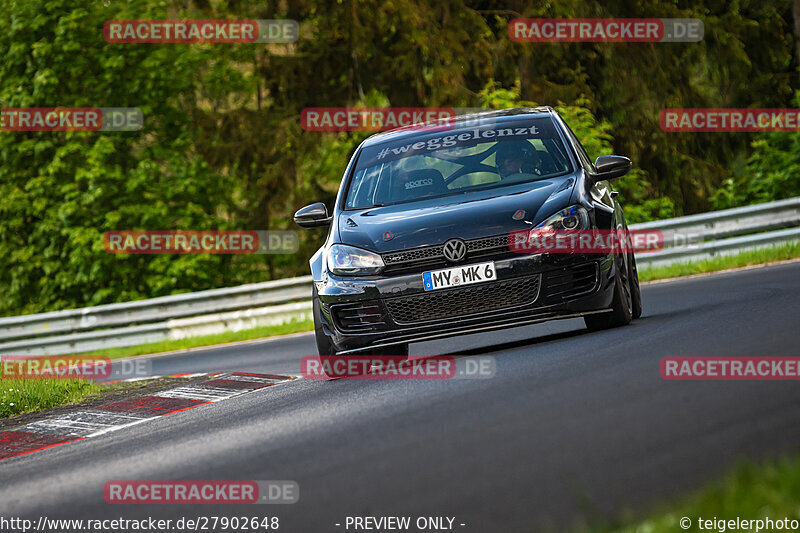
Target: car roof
500 116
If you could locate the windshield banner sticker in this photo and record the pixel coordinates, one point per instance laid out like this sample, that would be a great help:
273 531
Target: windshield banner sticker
384 153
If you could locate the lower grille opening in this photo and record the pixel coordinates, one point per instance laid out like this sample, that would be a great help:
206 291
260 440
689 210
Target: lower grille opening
462 301
359 316
570 282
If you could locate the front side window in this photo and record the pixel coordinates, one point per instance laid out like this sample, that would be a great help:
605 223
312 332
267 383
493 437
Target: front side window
448 162
582 155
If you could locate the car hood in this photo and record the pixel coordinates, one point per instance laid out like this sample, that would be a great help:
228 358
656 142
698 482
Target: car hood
466 216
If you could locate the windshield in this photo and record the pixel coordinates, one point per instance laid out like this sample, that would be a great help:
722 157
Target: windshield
455 161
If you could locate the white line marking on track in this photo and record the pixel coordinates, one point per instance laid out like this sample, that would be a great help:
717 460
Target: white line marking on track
82 423
94 422
206 394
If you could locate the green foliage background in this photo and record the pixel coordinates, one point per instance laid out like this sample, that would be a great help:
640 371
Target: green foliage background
222 146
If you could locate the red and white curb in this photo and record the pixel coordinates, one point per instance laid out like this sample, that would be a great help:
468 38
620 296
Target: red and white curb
103 419
147 378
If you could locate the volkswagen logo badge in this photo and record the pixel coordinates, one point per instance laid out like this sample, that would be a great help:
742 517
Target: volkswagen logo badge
454 250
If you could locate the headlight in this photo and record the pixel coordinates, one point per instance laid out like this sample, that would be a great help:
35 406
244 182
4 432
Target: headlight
343 259
572 218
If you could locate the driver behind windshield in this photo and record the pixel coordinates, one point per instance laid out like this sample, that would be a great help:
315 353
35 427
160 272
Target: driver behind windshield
515 157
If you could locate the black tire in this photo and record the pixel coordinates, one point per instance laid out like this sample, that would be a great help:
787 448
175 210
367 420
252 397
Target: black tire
324 344
636 292
325 348
621 312
327 351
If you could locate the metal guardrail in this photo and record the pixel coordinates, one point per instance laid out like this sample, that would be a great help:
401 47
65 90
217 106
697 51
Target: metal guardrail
155 309
102 339
157 319
703 236
727 223
274 302
710 249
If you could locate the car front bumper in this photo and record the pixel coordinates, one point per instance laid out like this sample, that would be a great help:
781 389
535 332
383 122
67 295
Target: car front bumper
363 313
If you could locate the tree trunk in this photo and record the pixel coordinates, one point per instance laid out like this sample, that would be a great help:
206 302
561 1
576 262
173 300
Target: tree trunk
797 29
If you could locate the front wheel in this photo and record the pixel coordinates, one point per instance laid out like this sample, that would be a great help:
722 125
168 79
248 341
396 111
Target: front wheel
621 312
636 292
327 351
324 344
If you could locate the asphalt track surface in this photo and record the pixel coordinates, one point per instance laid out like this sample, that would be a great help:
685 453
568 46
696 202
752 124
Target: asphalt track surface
574 426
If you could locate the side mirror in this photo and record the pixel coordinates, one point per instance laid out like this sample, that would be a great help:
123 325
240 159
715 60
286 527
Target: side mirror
611 166
312 216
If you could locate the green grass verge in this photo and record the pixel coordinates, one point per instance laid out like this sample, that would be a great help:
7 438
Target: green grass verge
747 258
750 492
294 326
19 396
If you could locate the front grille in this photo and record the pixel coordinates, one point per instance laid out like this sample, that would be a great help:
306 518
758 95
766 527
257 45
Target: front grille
462 301
487 243
570 282
415 254
359 316
431 256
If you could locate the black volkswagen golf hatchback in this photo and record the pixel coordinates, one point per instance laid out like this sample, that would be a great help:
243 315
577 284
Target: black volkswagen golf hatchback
418 246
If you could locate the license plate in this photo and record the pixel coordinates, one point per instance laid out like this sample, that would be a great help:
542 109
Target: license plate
457 276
